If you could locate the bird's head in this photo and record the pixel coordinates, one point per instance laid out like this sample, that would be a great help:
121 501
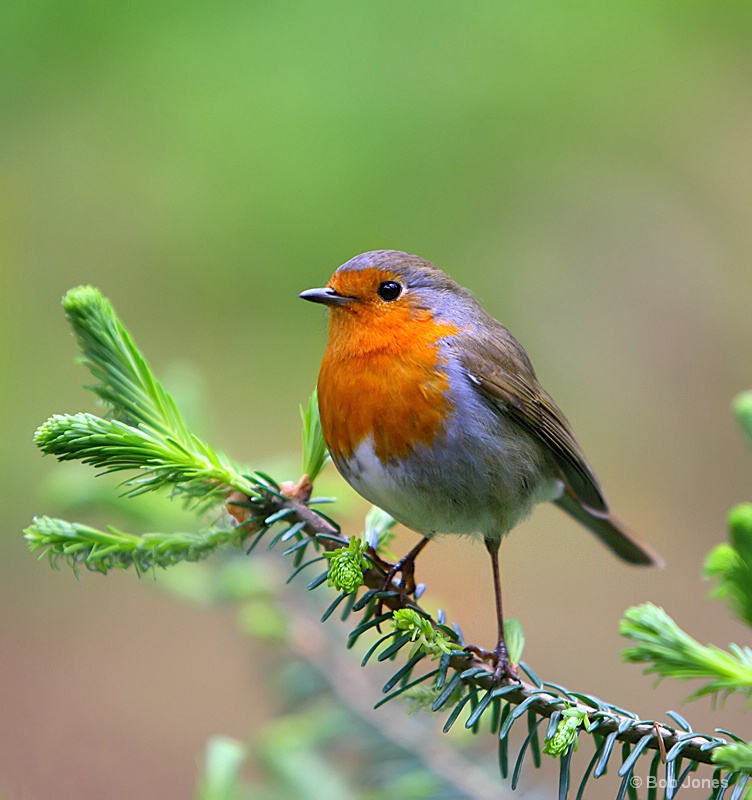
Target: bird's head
389 287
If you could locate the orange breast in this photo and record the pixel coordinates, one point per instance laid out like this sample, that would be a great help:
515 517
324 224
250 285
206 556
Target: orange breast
383 375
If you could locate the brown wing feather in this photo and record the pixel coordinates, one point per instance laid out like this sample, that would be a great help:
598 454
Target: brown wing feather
500 369
510 384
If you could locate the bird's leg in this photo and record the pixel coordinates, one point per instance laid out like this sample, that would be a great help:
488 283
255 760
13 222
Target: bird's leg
504 667
405 566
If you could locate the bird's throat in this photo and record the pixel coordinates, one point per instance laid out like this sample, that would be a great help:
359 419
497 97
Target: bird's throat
384 379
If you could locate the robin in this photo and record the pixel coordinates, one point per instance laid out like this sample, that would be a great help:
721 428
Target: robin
431 410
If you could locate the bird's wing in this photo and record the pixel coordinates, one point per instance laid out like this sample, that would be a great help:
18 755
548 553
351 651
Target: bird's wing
511 387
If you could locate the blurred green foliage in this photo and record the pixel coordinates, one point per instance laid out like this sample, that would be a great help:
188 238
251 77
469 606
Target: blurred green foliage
731 564
208 140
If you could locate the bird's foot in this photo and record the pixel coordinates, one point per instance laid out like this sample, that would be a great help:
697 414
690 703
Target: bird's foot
504 669
389 588
405 568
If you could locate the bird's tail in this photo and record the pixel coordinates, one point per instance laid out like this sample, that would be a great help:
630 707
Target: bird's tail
612 532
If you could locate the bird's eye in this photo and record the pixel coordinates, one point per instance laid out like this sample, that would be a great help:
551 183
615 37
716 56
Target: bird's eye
389 290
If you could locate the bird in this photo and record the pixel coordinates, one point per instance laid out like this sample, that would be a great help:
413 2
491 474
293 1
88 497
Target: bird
432 411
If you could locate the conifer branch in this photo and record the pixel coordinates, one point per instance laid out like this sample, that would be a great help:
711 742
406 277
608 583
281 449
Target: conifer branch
125 383
100 551
670 651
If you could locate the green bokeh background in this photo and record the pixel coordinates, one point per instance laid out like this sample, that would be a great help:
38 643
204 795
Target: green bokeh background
584 168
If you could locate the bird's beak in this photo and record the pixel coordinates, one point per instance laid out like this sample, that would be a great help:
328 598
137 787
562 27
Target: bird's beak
325 295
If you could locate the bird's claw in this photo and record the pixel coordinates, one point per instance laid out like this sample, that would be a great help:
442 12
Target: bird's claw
504 669
405 568
406 585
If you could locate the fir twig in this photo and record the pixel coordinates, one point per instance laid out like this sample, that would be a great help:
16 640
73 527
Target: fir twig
315 454
731 564
602 718
125 383
195 472
147 433
101 551
670 651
